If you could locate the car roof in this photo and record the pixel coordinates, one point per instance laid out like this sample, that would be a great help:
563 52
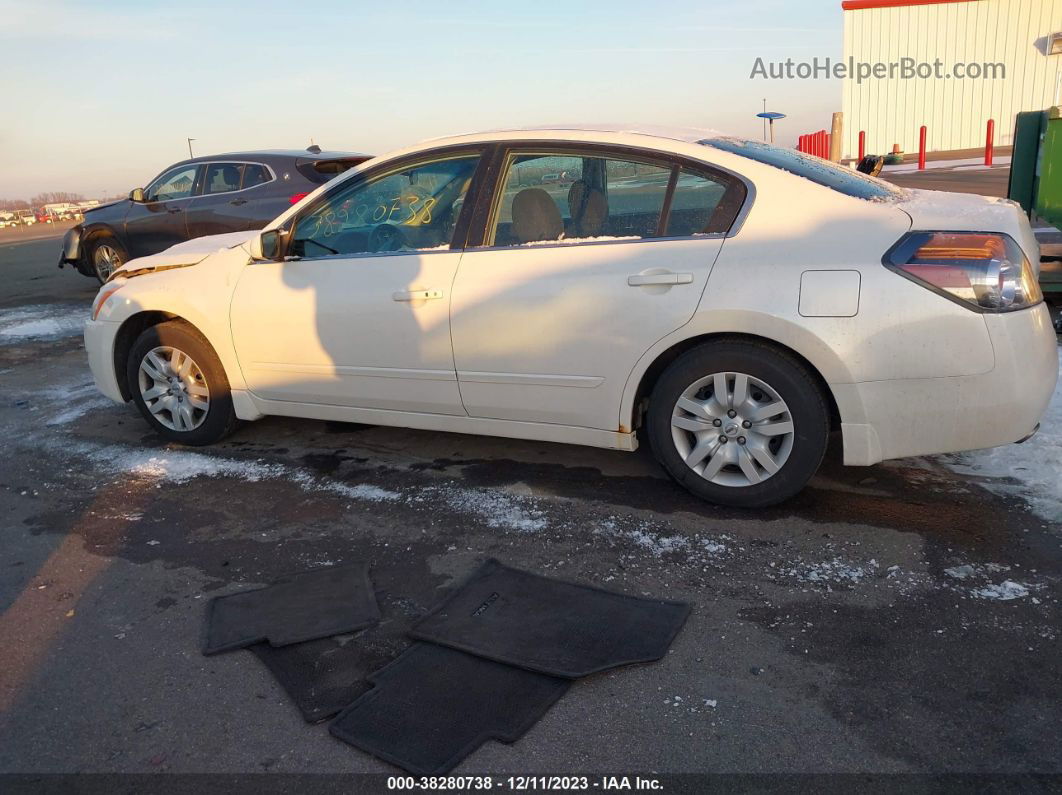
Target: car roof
267 154
574 129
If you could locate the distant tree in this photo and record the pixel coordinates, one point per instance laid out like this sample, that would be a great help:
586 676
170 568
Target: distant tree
55 197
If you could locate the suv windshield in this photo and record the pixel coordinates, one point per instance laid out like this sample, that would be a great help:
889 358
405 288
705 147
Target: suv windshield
843 180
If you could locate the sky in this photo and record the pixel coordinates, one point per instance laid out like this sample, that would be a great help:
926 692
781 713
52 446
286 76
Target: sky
100 96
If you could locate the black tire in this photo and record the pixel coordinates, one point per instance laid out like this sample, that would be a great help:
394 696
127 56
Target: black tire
220 419
92 267
787 376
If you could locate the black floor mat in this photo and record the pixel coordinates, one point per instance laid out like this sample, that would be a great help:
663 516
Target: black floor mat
325 676
300 607
551 626
434 706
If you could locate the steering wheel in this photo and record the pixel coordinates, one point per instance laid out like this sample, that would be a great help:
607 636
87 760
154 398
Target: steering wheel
386 237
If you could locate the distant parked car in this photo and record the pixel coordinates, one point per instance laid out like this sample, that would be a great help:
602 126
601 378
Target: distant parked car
8 219
26 217
202 196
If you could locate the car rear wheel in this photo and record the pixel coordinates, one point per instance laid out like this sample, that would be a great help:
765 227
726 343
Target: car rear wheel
179 385
105 256
739 423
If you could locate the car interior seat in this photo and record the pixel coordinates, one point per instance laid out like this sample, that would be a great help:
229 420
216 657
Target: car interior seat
230 176
589 210
536 217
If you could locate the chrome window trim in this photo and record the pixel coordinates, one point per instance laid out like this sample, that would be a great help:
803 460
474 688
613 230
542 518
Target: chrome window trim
208 163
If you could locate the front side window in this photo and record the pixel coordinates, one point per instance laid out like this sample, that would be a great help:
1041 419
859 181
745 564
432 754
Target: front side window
575 198
222 177
174 184
412 209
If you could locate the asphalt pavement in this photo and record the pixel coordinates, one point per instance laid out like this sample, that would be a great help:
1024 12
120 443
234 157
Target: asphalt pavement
864 627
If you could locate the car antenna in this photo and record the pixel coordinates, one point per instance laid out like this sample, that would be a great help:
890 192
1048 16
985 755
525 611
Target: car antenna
313 148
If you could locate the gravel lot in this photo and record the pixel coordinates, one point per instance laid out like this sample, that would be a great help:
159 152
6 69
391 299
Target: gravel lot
898 618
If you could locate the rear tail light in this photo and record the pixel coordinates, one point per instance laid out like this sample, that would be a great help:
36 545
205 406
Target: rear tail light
295 198
985 270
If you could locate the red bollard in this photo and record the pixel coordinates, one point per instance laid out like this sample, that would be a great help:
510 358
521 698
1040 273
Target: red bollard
862 144
989 141
922 148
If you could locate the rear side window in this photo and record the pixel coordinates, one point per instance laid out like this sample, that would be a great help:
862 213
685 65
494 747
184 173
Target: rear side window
572 198
222 178
823 172
694 204
254 174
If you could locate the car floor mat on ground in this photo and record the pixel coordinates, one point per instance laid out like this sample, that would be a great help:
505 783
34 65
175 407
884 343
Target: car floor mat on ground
305 606
433 706
551 626
325 676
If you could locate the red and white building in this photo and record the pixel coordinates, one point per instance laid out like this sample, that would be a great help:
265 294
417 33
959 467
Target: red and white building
1013 46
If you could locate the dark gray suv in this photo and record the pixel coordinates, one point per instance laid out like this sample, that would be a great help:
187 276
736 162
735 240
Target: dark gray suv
201 196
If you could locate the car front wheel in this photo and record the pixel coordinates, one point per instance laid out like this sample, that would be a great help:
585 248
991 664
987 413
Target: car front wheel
739 423
179 385
105 256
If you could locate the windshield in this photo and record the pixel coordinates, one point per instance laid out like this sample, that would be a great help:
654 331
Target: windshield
841 179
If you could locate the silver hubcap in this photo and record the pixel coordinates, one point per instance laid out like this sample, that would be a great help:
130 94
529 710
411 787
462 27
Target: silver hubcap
106 260
732 429
174 388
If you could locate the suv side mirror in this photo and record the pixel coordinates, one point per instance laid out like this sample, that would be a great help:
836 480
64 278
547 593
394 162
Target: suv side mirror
136 195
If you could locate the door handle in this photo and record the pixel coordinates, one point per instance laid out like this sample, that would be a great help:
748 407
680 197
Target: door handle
174 210
416 295
238 202
649 279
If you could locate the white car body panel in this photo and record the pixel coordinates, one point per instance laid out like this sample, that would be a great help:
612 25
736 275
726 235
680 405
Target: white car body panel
346 340
549 333
551 342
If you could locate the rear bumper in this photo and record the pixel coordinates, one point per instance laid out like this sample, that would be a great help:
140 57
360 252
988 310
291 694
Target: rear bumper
882 420
99 344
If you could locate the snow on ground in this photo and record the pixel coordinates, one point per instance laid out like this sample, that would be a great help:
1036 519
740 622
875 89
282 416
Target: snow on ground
1032 470
41 322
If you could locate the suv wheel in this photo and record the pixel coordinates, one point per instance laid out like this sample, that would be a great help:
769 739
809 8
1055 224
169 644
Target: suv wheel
105 255
739 423
178 384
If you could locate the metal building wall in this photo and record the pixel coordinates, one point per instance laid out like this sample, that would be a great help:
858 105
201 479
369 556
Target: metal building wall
1012 32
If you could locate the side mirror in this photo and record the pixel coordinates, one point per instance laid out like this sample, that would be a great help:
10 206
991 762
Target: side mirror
136 195
267 246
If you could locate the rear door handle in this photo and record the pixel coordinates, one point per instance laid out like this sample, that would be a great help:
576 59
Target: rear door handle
175 210
650 279
238 202
417 295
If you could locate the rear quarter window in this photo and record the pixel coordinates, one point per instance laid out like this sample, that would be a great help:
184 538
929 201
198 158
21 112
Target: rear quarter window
822 172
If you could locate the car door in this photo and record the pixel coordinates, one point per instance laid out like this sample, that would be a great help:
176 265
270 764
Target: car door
160 220
579 275
359 314
228 200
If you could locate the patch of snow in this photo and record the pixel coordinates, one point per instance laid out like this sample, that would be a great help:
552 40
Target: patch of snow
41 322
960 572
833 571
1004 591
1032 471
498 510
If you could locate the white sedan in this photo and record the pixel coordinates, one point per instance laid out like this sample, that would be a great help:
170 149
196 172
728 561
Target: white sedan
729 302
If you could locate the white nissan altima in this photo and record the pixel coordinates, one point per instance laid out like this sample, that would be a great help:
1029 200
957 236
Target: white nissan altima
727 301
